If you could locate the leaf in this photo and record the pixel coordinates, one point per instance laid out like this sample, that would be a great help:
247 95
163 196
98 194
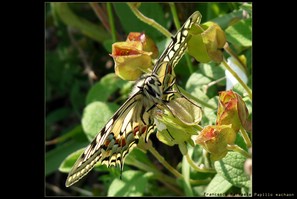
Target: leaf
218 185
213 71
133 183
240 34
195 85
231 167
54 157
211 114
95 116
69 161
226 19
104 88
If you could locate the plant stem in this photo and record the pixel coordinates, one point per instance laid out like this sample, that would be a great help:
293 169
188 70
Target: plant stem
232 54
245 137
184 92
100 14
246 88
111 22
236 148
164 162
174 14
199 169
149 21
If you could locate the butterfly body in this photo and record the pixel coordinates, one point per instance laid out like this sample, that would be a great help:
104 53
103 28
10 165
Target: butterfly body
135 117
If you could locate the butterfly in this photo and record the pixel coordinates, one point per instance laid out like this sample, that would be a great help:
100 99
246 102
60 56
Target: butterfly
135 118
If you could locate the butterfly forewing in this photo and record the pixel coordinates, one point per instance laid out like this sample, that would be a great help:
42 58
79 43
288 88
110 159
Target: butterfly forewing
175 50
116 138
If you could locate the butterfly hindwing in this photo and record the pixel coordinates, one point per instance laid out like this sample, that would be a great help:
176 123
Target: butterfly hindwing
116 139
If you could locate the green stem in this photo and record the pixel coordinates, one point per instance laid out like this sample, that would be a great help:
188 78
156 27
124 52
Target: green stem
199 169
174 14
164 163
202 103
111 22
171 169
149 21
245 137
236 148
246 88
233 54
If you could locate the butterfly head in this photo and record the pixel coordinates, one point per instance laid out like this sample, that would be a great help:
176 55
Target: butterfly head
152 87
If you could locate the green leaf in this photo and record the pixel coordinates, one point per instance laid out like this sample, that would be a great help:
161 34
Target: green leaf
231 167
54 157
104 88
240 34
195 85
133 183
69 161
218 185
240 90
226 19
95 116
213 71
210 115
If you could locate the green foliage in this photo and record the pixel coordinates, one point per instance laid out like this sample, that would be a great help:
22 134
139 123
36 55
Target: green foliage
95 116
133 183
231 169
78 104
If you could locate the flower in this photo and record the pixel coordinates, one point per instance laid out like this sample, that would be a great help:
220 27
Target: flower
215 139
232 110
134 56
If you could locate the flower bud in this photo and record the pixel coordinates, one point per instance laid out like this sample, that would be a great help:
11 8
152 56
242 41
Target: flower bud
232 110
134 56
215 139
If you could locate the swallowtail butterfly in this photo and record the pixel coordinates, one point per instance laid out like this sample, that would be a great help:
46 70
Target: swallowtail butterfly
135 117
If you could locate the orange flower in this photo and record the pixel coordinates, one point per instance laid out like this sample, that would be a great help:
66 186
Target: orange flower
232 110
134 56
215 139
